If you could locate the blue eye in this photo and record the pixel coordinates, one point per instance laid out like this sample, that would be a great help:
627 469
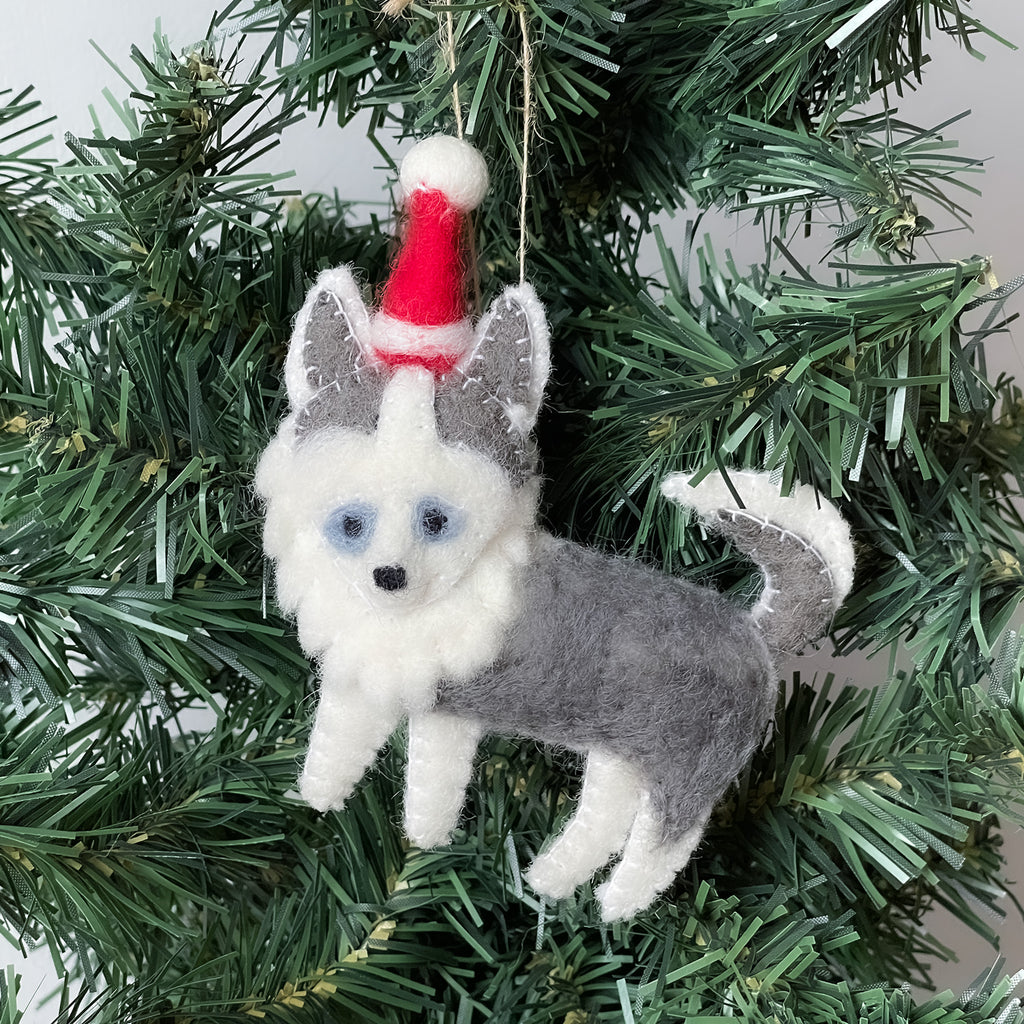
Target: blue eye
437 521
349 528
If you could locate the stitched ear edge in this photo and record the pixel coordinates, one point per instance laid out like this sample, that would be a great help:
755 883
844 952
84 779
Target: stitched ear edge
530 368
341 285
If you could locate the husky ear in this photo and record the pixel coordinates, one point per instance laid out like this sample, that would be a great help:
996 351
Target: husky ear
328 379
511 357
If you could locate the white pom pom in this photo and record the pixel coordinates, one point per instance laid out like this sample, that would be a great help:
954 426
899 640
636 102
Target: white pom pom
448 164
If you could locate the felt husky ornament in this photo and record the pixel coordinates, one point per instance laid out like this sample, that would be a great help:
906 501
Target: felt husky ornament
401 495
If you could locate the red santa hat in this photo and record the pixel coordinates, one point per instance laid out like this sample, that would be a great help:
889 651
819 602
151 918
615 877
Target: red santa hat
423 317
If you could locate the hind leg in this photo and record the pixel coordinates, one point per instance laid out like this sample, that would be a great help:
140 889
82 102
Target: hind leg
595 833
648 864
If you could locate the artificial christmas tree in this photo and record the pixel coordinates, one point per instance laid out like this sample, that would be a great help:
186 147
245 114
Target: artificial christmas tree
148 290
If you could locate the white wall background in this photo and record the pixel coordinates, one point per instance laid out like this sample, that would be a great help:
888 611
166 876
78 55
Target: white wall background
47 44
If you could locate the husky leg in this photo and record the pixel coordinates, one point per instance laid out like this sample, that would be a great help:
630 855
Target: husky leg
348 731
648 865
596 832
441 752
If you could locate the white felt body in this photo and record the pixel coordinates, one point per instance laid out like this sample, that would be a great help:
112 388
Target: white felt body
441 752
382 652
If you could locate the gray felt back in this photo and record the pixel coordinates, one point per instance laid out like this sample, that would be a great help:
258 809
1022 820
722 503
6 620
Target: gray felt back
611 655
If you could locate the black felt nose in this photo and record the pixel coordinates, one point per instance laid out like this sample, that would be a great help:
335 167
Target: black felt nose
390 577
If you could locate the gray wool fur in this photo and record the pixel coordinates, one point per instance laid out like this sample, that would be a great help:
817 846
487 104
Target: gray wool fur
672 677
798 582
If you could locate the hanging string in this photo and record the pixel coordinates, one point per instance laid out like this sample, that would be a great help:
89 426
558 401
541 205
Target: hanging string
524 175
449 49
395 9
448 45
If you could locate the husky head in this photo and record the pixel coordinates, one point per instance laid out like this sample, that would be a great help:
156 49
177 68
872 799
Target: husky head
394 482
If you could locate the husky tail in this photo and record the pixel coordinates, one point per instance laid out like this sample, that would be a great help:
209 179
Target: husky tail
800 543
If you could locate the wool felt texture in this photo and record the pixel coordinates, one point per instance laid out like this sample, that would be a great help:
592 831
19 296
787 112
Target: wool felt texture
401 501
337 380
426 281
804 584
356 484
803 513
380 649
423 315
611 655
448 165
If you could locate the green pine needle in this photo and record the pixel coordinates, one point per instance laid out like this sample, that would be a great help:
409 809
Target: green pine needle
148 287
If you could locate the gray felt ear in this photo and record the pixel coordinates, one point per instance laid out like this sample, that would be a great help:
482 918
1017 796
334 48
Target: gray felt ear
489 402
510 360
329 380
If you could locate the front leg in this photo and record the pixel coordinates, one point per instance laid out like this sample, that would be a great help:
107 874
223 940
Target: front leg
441 752
348 731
